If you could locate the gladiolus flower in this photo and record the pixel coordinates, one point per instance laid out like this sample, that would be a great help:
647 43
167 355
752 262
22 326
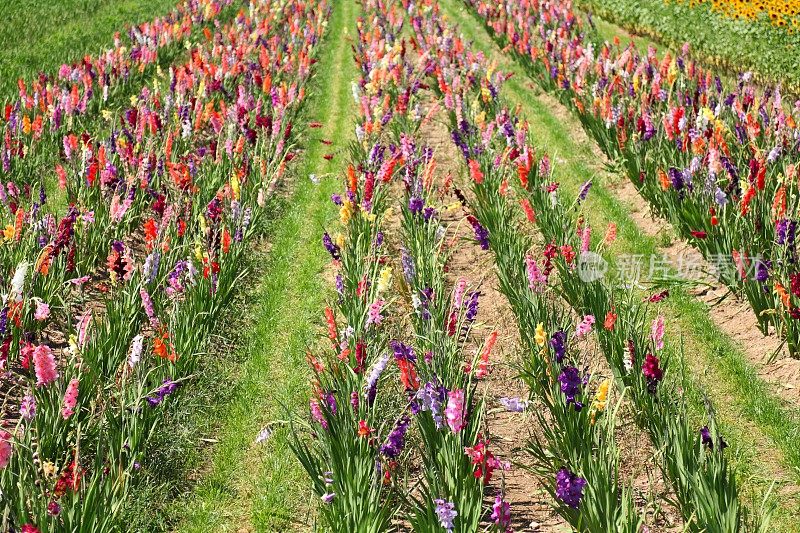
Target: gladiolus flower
483 366
454 413
569 488
405 357
530 214
571 385
657 332
70 399
515 405
332 248
651 371
264 435
584 191
558 342
374 315
396 440
45 365
346 212
611 319
585 326
659 296
484 460
475 171
431 398
601 397
481 233
705 437
5 448
316 412
384 279
501 513
611 233
62 177
363 429
42 311
27 407
536 280
446 513
541 334
568 253
333 334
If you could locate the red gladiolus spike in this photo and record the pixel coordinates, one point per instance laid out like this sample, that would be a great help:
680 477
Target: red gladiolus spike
352 179
748 197
451 323
150 233
611 319
483 365
408 374
226 240
475 171
529 212
333 333
779 203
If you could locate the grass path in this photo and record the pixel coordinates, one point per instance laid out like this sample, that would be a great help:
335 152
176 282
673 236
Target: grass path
762 429
261 487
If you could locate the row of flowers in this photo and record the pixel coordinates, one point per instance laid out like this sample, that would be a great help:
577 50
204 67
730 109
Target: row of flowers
576 456
32 122
718 161
768 27
363 417
109 307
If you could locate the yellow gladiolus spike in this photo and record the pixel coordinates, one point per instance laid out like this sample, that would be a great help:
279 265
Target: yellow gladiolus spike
541 334
346 211
601 397
235 186
384 279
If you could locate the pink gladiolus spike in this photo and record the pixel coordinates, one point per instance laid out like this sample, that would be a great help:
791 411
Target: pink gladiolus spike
455 410
585 326
458 296
657 333
70 399
316 412
536 280
586 234
5 448
83 327
42 311
44 364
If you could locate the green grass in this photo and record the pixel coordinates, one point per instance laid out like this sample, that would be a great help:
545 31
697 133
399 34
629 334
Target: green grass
263 487
39 35
763 430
